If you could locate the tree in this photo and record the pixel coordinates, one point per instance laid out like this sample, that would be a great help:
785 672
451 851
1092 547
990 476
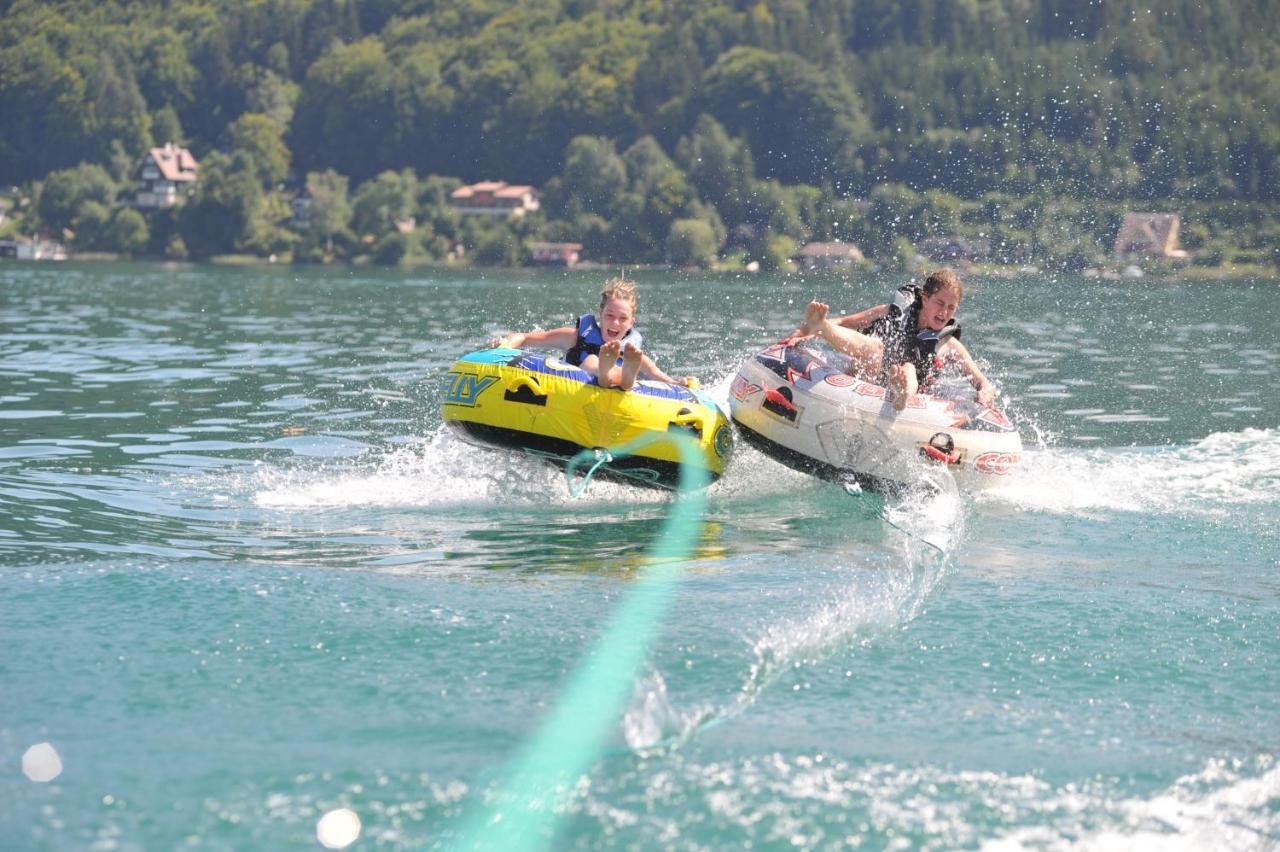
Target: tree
594 175
272 96
720 168
166 127
383 201
346 112
226 213
802 124
91 226
127 231
692 243
119 111
63 192
261 140
330 211
43 121
491 242
778 249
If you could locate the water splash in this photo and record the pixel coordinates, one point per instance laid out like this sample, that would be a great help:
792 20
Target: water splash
443 471
873 600
1224 470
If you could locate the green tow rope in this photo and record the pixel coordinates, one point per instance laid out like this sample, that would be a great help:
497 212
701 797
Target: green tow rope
601 457
525 809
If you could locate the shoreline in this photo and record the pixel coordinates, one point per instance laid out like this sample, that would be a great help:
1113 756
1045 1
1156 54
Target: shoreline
1116 273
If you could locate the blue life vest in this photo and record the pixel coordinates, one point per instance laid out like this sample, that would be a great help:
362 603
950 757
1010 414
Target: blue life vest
904 341
591 338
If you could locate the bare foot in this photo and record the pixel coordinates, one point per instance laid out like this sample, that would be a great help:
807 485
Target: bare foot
609 353
631 361
814 316
607 363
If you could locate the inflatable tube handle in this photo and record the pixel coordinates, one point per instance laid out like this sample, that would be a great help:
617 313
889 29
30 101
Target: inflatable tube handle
528 383
690 418
525 388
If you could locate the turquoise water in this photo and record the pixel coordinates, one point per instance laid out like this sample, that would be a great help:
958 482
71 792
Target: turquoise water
246 578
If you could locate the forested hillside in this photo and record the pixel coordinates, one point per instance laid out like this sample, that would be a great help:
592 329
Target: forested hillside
768 117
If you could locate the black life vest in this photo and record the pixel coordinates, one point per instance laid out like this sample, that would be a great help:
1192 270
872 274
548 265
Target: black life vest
591 338
904 341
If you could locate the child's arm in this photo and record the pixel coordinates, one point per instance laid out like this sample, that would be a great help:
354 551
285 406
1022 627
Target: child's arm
956 352
651 370
556 338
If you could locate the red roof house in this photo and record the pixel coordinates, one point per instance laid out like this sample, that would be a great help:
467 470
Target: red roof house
494 198
164 175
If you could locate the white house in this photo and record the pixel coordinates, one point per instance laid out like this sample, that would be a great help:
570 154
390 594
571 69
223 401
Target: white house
494 198
164 176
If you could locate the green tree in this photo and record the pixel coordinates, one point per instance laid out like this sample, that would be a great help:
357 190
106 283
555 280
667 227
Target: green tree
118 109
91 225
720 169
272 96
61 195
329 212
778 249
802 124
346 111
226 213
127 232
491 241
692 243
593 178
397 249
261 140
381 202
167 127
44 124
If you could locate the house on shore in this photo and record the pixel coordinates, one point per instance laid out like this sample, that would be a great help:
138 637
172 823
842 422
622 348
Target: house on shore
555 254
1148 235
829 256
165 177
953 248
32 248
494 198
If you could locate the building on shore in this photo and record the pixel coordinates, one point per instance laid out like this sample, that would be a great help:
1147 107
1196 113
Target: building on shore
32 248
953 247
555 254
1148 235
165 177
494 198
829 256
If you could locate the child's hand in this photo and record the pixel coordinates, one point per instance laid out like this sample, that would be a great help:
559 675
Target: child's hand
689 381
986 395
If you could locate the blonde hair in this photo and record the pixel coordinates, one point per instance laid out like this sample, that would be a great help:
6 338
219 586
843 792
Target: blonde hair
622 289
943 279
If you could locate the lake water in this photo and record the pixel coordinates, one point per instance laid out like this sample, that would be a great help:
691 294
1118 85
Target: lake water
247 578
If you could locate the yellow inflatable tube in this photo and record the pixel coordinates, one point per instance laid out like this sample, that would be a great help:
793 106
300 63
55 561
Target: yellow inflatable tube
544 406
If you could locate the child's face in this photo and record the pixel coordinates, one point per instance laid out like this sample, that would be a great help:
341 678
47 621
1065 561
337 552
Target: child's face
616 319
937 310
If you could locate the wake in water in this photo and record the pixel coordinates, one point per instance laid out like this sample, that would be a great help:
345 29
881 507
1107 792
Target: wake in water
769 800
1223 471
922 528
443 471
